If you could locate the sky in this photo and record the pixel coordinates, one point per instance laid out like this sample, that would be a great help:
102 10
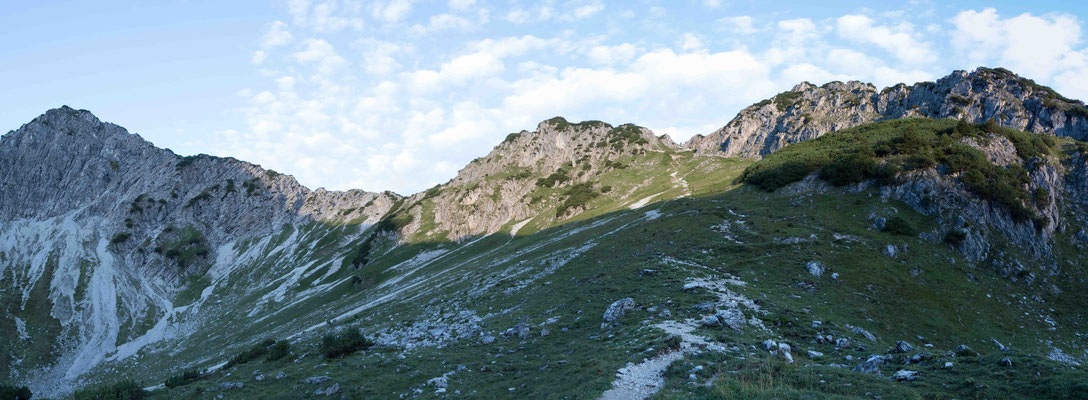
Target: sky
400 94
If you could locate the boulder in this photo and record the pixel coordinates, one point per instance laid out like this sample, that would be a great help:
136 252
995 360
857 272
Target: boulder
313 380
815 268
902 347
871 365
905 375
617 309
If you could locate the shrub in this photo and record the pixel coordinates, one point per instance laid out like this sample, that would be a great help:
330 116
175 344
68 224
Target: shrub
557 177
14 393
121 237
1041 196
576 196
184 378
124 390
253 353
279 350
955 237
900 226
336 345
784 100
849 170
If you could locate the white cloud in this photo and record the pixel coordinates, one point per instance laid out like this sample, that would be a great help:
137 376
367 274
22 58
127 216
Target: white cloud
740 25
276 35
258 57
899 40
517 16
391 10
320 53
460 4
691 42
606 55
712 3
587 10
1038 47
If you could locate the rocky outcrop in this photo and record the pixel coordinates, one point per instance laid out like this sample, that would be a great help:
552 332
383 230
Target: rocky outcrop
495 190
808 111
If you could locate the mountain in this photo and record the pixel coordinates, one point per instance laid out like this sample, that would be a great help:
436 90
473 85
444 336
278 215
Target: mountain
809 111
579 260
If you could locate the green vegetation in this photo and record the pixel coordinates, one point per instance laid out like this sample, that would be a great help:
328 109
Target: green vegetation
204 195
252 186
576 196
184 378
8 392
123 390
186 161
900 226
120 237
784 100
511 137
556 178
626 134
339 344
271 174
186 246
881 151
257 351
279 350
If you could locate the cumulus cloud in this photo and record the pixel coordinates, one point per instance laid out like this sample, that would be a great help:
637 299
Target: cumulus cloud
276 35
402 112
1037 46
740 25
900 40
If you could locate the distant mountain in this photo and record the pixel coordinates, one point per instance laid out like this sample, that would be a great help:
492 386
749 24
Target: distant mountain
579 260
809 111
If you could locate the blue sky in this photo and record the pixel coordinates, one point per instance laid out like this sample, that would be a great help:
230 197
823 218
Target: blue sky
398 95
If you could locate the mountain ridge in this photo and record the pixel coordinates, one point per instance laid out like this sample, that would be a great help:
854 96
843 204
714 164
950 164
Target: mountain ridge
156 260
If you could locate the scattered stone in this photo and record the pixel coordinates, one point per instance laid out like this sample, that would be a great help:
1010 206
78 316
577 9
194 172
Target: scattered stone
231 385
770 345
704 307
520 330
439 382
544 332
280 375
905 375
862 332
890 251
871 365
835 276
815 268
329 391
665 314
903 347
692 285
842 343
784 351
649 272
879 222
617 309
313 380
1006 362
816 324
948 364
999 345
487 339
732 318
813 354
963 351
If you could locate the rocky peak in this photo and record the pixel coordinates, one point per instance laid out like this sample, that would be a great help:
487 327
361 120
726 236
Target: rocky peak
496 189
809 111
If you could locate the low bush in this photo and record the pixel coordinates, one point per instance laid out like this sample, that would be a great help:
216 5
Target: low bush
279 350
900 226
576 196
8 392
123 390
184 378
339 344
253 353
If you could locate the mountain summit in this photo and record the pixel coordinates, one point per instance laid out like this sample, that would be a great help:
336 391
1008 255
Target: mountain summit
808 111
929 233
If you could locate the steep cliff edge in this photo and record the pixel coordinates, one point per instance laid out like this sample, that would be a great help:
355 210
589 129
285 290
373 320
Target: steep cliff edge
808 111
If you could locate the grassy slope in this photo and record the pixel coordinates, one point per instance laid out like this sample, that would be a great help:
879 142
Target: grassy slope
506 280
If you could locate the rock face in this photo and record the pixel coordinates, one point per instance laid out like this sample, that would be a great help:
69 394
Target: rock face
808 111
493 191
113 226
